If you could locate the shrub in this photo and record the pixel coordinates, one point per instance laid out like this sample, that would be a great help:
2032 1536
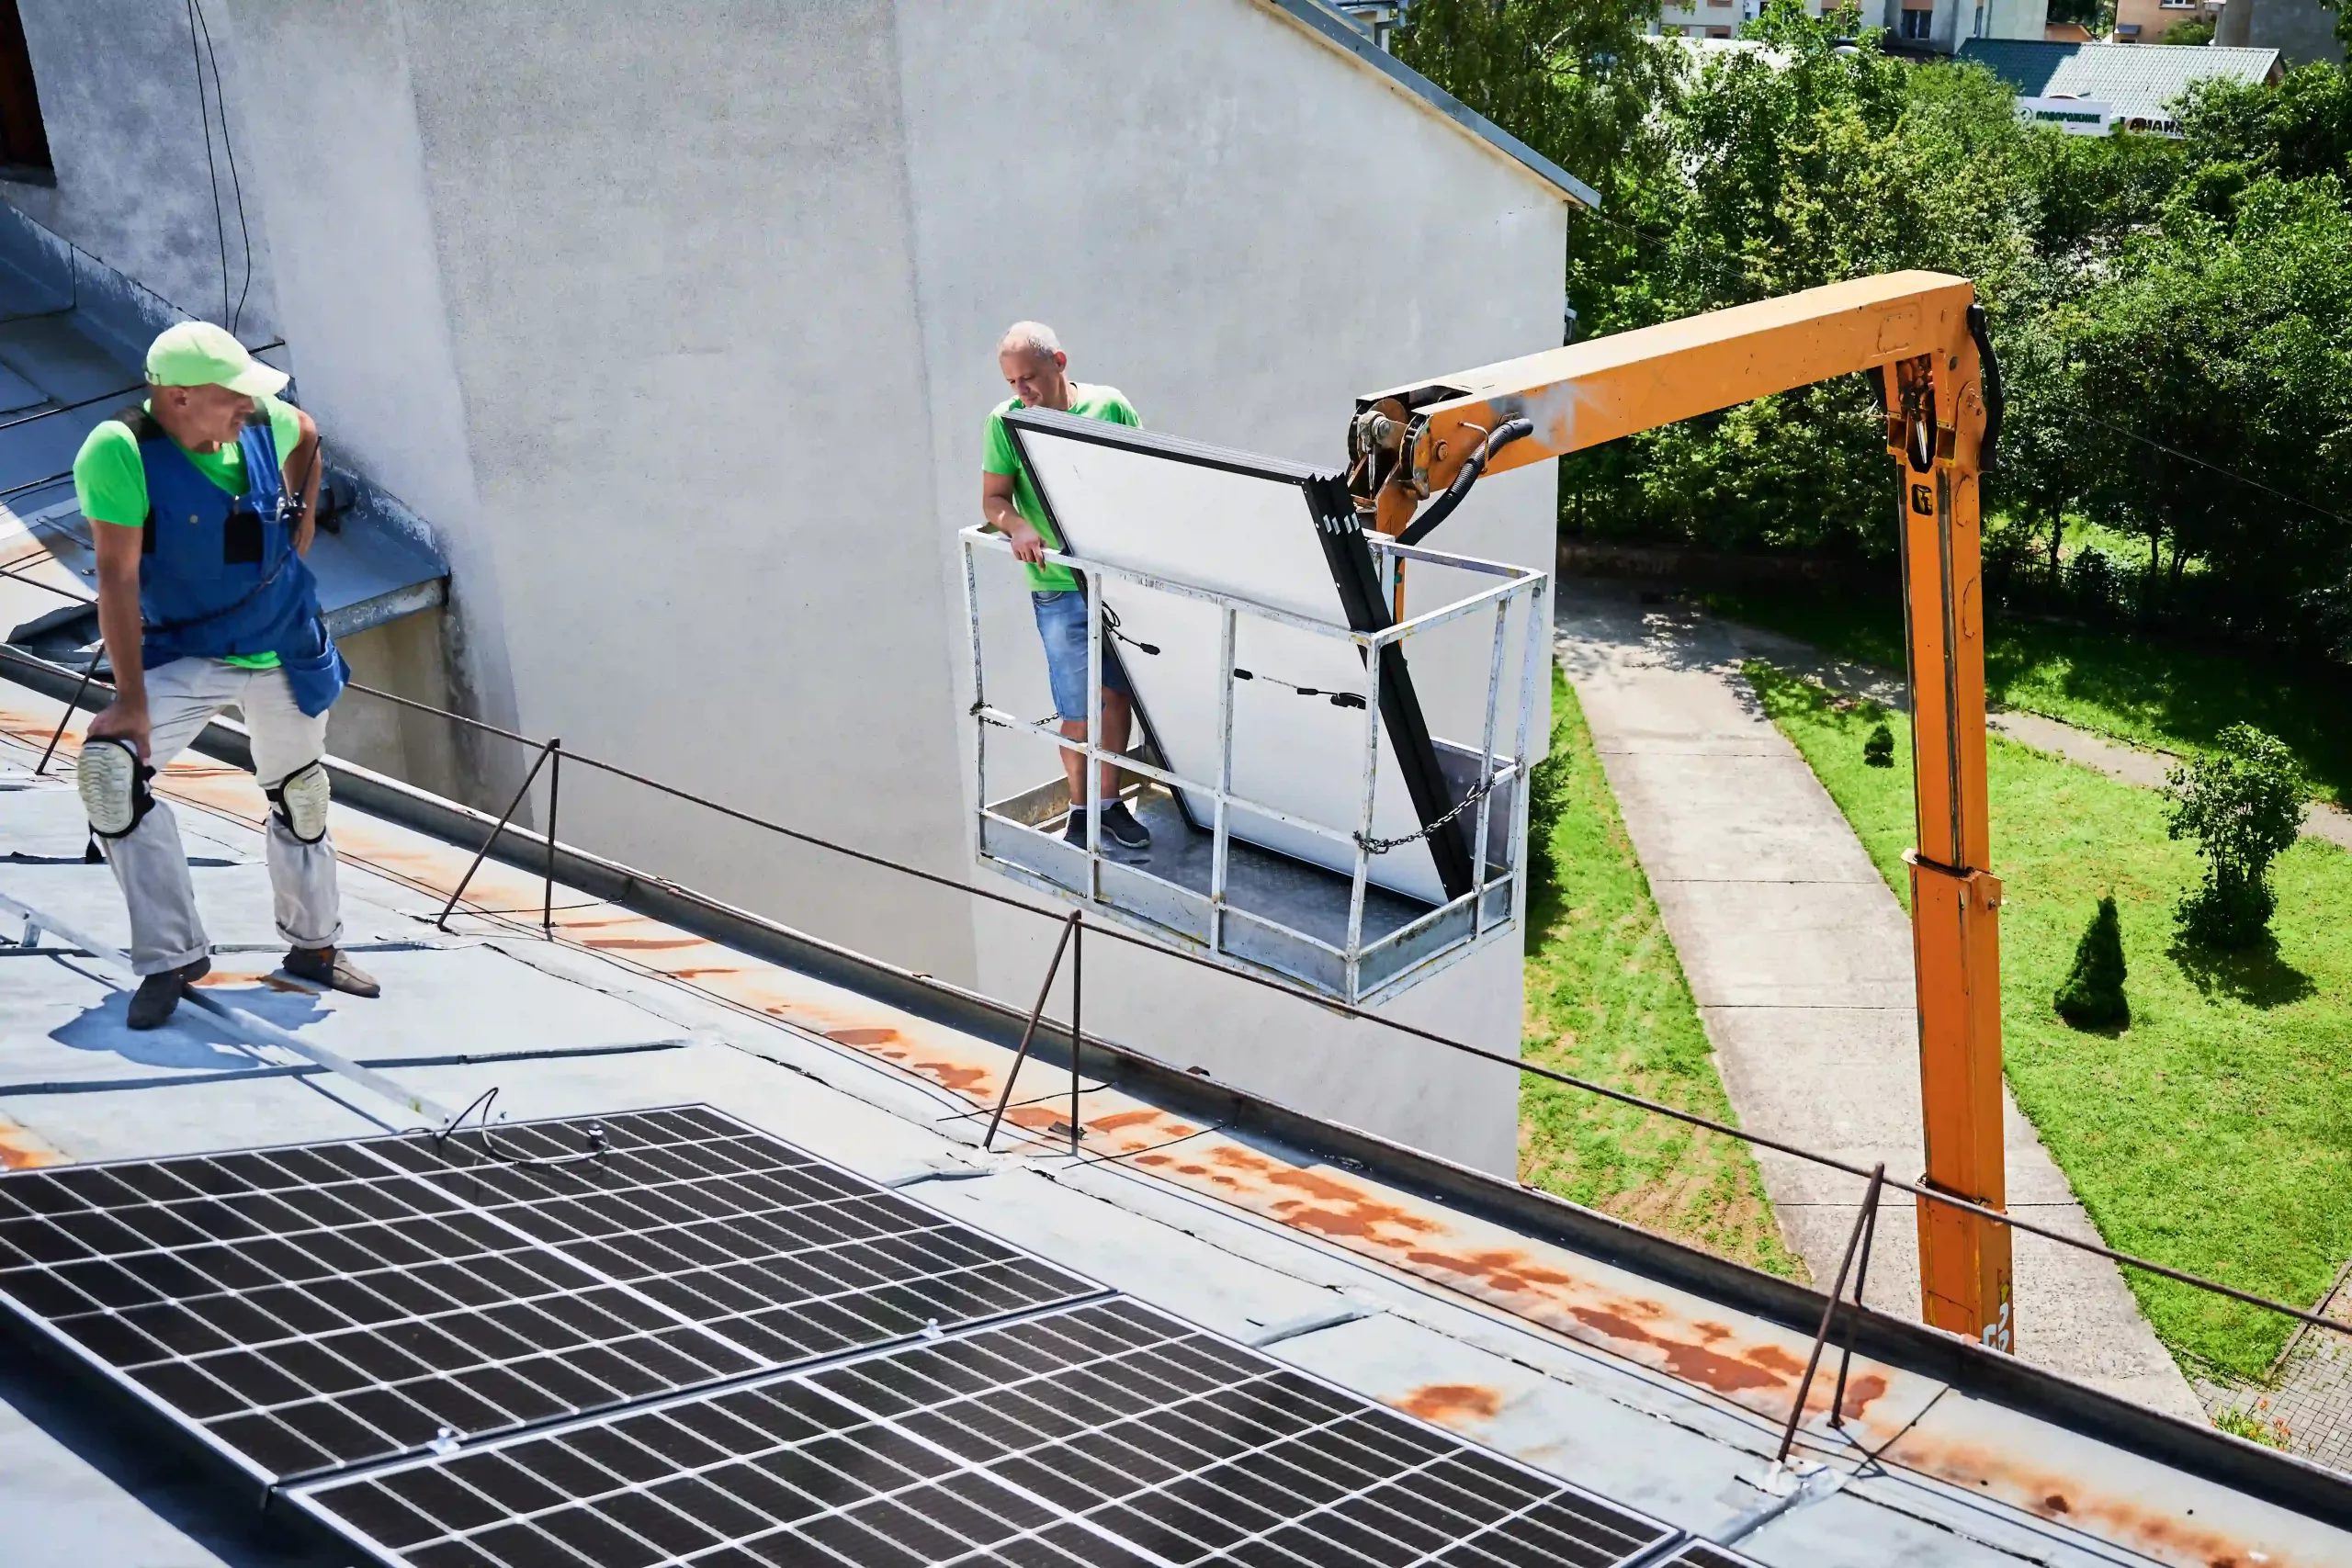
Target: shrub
2092 995
1879 749
2244 805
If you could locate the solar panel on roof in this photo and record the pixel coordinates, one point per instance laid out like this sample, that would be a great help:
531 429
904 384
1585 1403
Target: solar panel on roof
313 1307
1104 1434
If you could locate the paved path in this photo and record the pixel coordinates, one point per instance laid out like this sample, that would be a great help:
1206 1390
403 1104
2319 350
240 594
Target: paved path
1799 960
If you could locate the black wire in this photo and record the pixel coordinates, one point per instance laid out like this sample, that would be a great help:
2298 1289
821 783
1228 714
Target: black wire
595 1132
204 117
236 185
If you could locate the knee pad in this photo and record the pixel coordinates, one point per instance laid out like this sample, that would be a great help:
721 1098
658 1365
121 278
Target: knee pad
113 785
301 800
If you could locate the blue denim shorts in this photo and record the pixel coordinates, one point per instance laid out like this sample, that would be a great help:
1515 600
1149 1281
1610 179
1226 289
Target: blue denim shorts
1061 623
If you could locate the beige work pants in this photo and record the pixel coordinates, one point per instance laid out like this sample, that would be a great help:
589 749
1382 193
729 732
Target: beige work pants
149 863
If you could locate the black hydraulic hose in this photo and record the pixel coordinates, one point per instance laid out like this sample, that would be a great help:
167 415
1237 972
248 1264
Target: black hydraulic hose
1995 400
1443 507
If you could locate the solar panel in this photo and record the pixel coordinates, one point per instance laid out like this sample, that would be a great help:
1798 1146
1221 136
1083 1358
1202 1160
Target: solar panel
313 1307
1106 1433
1281 534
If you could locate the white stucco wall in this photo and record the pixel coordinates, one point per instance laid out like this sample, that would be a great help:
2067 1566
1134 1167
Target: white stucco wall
1243 229
678 325
118 83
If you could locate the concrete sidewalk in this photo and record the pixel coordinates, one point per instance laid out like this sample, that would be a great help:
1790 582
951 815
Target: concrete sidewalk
1800 959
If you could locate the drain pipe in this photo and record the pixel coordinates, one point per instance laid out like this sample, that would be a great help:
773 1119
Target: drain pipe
244 1025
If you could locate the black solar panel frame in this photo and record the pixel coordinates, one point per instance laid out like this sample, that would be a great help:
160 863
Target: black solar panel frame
606 1444
96 1372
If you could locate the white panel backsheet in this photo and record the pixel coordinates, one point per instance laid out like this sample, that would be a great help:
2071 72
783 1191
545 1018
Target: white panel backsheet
1252 536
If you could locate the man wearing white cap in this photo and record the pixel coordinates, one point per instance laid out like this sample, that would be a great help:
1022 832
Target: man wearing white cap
200 500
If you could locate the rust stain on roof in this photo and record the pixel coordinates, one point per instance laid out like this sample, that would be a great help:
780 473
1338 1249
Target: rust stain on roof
2160 1531
21 1149
275 982
1451 1404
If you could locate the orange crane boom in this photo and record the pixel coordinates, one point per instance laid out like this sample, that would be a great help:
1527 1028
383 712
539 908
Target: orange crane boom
1923 333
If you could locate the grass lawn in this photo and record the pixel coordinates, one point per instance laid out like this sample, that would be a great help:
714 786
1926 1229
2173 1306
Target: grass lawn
1606 1001
2099 679
2214 1132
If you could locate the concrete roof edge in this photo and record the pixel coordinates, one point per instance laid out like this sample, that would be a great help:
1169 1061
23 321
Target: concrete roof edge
2285 1481
1324 24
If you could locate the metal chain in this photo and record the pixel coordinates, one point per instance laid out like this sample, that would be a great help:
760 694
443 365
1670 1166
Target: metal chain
1381 846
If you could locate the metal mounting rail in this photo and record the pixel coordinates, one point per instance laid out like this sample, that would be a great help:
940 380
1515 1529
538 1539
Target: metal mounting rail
252 1031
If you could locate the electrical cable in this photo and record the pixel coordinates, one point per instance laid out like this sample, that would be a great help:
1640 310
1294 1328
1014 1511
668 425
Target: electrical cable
236 184
204 117
598 1147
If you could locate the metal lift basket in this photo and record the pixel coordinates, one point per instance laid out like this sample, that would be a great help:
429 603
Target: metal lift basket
1306 820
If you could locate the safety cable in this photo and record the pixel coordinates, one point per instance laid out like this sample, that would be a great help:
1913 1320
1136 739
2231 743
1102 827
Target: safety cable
1328 1004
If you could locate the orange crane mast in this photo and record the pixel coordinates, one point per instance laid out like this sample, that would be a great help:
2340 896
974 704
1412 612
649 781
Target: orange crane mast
1922 334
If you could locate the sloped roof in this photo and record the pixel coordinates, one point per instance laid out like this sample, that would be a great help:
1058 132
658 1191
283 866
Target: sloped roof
1341 33
2138 81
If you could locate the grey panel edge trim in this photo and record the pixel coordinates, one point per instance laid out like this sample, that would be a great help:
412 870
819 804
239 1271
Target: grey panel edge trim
1312 16
2292 1484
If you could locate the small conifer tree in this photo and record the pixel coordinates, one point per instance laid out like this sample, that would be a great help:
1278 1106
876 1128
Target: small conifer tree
1878 750
2092 995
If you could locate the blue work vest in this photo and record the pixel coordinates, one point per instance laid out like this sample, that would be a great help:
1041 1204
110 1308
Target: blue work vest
218 573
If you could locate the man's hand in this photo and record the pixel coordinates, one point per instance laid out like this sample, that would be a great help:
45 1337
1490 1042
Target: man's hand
120 720
1027 543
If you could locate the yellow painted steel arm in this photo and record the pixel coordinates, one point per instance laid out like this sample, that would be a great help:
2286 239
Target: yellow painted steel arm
1408 443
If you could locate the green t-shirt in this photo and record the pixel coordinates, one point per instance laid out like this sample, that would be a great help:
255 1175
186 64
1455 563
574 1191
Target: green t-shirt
111 481
1088 402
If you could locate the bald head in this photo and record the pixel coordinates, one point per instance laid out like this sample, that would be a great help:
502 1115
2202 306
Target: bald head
1030 356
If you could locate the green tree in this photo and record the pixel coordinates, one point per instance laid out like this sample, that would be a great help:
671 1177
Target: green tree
2244 805
2194 33
2230 338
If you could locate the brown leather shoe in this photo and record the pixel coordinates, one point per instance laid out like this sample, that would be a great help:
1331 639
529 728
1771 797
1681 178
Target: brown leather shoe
326 966
158 995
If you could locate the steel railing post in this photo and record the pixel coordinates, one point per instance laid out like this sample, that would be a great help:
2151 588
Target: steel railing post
1854 1319
547 885
1077 1010
71 704
504 818
1830 1312
1029 1032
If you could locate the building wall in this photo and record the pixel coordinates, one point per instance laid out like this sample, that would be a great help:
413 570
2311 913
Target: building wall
2300 30
2154 19
679 326
1193 197
118 85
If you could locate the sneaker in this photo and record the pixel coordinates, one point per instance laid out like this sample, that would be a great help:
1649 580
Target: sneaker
158 995
1120 827
325 967
1074 835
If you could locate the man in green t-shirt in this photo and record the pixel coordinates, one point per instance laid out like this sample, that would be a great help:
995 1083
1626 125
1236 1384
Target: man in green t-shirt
201 500
1034 365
